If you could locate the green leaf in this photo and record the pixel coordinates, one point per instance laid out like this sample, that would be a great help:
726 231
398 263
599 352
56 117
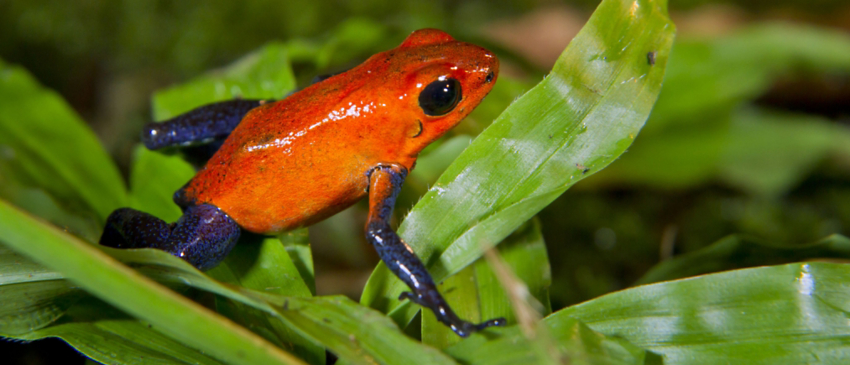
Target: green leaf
738 251
575 122
332 322
791 314
123 287
34 296
45 145
262 264
574 343
110 337
154 178
265 74
356 333
297 244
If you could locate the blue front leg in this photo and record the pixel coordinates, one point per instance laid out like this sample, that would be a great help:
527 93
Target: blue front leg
204 124
203 236
384 184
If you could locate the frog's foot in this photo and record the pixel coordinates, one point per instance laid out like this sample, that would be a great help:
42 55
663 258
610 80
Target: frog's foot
203 236
445 314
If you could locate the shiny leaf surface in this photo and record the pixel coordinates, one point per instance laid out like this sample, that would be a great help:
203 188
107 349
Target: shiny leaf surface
791 314
574 123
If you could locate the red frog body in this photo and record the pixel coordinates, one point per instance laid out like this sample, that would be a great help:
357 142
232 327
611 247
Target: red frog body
297 161
290 163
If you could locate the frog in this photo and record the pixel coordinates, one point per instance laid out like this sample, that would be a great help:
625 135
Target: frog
279 165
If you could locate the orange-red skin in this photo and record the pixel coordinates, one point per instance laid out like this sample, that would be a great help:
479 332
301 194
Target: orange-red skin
297 161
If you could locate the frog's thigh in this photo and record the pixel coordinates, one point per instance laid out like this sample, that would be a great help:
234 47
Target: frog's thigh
201 125
203 236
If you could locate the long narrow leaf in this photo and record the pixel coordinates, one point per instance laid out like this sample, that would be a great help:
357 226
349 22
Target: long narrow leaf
106 278
738 251
331 322
791 314
575 122
44 144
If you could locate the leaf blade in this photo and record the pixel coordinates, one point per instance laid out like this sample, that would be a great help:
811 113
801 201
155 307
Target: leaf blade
591 107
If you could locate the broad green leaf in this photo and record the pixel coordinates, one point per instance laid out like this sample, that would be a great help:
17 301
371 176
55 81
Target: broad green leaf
477 295
123 287
297 245
575 343
277 332
737 251
262 264
358 334
790 314
45 145
110 337
265 265
264 74
36 297
30 306
574 123
332 322
153 180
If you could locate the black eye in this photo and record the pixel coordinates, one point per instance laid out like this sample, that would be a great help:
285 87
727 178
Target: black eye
490 77
440 97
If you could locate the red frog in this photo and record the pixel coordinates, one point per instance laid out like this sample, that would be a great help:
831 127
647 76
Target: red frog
291 163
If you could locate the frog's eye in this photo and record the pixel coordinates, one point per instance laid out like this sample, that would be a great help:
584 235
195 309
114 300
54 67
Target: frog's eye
440 96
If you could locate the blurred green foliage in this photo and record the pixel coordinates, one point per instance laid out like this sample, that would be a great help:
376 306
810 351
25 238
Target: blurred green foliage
714 159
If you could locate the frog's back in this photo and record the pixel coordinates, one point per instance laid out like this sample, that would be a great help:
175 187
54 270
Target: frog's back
299 160
282 168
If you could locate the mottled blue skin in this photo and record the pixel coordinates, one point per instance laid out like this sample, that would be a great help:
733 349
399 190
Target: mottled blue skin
203 236
207 123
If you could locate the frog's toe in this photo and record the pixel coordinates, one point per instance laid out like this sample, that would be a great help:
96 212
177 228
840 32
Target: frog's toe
130 228
495 322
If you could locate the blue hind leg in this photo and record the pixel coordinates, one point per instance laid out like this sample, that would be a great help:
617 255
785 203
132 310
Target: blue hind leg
384 184
203 236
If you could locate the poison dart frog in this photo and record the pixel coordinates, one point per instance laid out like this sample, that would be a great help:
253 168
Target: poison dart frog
291 163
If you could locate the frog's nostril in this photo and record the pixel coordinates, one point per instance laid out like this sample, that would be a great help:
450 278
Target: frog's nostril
490 77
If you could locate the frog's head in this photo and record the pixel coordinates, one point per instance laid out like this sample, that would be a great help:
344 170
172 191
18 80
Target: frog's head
438 82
